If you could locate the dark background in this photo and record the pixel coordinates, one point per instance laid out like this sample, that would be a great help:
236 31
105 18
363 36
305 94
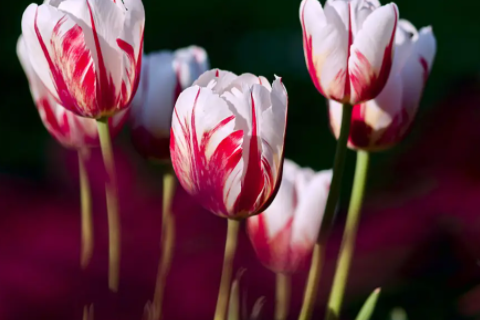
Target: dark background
420 233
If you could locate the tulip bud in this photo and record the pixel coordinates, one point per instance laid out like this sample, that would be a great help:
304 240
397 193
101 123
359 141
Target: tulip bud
165 75
227 139
70 130
88 54
284 235
348 47
384 121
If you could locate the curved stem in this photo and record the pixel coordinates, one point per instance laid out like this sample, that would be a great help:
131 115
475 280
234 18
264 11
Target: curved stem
112 205
349 235
86 203
338 168
167 241
329 213
282 302
230 247
312 283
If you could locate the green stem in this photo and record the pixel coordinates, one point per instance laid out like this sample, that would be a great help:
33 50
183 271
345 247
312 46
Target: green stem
282 302
230 248
112 204
312 283
349 235
86 202
338 167
167 241
329 213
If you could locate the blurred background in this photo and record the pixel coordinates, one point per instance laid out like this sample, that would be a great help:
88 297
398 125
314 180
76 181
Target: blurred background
420 230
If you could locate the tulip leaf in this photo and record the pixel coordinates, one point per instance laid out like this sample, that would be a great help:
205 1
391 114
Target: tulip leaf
369 306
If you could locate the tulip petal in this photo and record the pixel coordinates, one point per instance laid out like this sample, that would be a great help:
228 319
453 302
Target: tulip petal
152 107
417 69
60 57
372 54
205 148
309 212
326 41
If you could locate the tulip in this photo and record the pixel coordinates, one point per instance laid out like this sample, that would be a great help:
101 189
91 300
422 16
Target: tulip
226 147
348 47
284 235
384 121
88 53
227 139
69 129
165 75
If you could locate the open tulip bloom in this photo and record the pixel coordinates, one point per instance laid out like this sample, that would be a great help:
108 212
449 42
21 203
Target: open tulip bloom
284 235
384 121
71 130
165 75
87 53
227 142
348 47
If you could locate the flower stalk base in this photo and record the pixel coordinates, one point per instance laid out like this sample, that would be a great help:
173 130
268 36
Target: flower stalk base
112 205
349 235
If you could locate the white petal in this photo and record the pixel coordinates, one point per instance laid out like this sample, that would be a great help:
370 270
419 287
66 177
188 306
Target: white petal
219 79
326 45
282 209
372 54
45 15
310 209
153 104
208 110
335 111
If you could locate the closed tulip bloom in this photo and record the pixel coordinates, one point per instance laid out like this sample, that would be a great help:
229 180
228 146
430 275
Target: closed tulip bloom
384 121
165 75
348 47
227 140
70 130
284 235
87 53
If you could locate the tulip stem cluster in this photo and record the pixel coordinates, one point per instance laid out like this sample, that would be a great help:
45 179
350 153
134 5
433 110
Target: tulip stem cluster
86 203
230 248
167 241
349 236
112 204
282 302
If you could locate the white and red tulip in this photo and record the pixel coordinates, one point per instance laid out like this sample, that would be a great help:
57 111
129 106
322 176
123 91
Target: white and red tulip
70 130
284 235
87 53
165 75
348 47
384 121
227 141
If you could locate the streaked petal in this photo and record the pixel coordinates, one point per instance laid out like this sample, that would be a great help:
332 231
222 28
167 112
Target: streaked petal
325 40
205 148
372 54
309 212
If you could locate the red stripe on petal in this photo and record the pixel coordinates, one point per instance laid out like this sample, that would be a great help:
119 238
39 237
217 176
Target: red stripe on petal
253 181
105 89
258 234
366 83
360 131
308 50
346 92
424 64
59 81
